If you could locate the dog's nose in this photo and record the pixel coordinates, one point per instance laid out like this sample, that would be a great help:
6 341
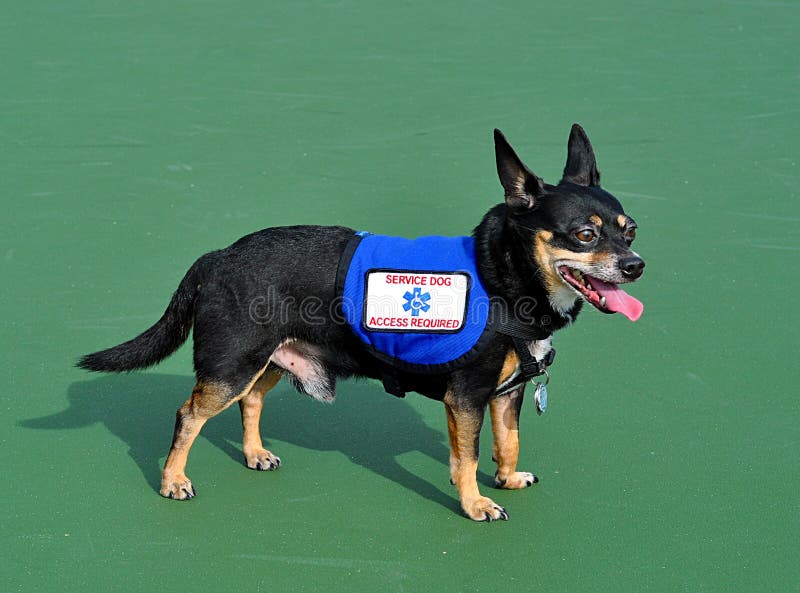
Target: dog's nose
632 267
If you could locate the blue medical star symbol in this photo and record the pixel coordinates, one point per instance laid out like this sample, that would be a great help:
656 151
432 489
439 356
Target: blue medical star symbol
416 301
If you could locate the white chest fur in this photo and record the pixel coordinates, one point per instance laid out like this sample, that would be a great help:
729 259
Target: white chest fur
540 348
563 300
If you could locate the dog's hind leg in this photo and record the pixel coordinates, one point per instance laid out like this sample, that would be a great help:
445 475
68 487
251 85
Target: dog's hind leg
464 426
209 398
504 411
255 455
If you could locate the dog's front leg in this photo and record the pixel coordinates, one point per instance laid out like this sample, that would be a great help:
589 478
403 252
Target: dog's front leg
505 427
464 426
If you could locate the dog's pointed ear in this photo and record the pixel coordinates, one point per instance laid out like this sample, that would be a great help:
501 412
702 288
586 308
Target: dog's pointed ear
581 168
522 187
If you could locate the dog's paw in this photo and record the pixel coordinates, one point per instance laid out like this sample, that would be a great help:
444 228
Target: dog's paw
485 509
262 460
177 487
515 481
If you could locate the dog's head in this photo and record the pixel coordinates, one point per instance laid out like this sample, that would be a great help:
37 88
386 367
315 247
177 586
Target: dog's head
577 233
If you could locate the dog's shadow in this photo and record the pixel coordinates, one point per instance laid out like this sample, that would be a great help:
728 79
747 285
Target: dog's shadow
367 426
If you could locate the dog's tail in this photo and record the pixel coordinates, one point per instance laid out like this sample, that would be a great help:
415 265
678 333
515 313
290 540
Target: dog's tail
158 342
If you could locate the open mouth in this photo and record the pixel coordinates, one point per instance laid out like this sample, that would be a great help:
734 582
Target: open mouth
604 296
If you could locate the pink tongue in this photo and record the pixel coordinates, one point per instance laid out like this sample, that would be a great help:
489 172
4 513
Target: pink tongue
618 300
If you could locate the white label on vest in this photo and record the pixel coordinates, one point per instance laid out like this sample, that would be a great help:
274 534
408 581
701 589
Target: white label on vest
403 301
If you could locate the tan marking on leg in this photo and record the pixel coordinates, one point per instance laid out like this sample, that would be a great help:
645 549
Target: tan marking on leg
505 427
504 412
208 399
251 405
596 219
454 452
509 366
464 426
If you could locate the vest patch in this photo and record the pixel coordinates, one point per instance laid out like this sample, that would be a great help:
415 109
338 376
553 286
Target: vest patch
417 304
414 301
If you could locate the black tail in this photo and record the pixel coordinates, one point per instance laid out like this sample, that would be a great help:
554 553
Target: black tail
156 343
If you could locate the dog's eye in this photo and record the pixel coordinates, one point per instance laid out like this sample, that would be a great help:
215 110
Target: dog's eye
630 234
585 235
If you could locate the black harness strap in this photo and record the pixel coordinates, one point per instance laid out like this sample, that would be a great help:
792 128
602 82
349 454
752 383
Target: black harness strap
522 335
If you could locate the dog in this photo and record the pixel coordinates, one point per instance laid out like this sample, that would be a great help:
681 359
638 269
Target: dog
273 304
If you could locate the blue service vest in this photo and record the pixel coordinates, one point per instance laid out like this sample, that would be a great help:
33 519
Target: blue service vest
417 304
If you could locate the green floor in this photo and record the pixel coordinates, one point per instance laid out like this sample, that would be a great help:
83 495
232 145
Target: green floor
136 136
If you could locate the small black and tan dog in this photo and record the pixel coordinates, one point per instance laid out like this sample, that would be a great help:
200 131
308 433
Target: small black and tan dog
555 245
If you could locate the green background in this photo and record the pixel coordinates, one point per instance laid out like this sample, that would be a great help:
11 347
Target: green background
136 136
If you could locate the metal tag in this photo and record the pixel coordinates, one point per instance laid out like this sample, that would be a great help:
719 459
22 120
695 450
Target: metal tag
540 397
